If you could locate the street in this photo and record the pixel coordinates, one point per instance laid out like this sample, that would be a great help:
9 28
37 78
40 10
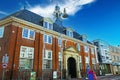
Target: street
110 77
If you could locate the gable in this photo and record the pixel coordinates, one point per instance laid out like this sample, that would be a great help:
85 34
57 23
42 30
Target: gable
71 49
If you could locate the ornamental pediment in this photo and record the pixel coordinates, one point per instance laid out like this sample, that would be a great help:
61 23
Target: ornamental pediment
71 49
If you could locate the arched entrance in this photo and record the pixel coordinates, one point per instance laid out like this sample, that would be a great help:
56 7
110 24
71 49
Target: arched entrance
71 67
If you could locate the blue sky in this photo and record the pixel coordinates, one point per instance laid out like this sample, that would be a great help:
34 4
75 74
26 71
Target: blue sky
99 19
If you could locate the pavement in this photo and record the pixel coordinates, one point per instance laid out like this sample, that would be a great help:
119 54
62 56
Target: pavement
109 77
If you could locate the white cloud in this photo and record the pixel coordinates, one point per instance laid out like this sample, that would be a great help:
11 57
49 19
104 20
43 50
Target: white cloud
72 6
4 13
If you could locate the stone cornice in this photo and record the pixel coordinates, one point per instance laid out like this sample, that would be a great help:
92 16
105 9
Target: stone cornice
22 23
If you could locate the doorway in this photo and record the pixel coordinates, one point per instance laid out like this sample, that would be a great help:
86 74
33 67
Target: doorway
71 67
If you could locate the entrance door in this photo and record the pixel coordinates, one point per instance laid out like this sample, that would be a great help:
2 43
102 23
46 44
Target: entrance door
72 67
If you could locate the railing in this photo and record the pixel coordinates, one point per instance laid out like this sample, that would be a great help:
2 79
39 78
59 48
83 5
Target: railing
25 74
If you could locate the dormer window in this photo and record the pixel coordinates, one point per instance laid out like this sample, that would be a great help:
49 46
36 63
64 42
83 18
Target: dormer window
48 25
84 38
69 33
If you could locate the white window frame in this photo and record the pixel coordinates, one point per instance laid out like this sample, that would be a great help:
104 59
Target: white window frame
46 58
48 25
69 33
46 54
80 59
92 50
46 39
80 63
78 47
1 32
93 60
86 49
28 34
60 56
86 59
59 41
27 55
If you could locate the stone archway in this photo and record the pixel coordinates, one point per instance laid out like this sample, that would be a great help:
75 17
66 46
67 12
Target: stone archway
71 62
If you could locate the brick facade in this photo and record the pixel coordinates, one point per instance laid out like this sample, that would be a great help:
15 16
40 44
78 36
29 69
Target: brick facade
12 41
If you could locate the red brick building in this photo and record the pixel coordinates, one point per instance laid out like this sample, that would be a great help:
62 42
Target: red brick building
35 43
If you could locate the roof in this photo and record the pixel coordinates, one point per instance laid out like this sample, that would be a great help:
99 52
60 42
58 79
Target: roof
37 19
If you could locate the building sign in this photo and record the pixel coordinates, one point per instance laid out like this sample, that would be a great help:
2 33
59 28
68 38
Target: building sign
55 74
5 60
33 76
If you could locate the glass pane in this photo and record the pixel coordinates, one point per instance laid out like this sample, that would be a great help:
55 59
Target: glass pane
78 45
86 49
49 55
32 34
49 39
23 52
67 32
49 64
50 26
31 53
45 38
25 33
71 34
45 24
59 41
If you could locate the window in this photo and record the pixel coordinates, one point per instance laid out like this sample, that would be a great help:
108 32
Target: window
47 25
60 56
86 60
78 47
26 57
80 60
28 34
47 59
69 33
86 49
92 50
47 39
60 60
94 66
1 32
93 60
59 41
80 63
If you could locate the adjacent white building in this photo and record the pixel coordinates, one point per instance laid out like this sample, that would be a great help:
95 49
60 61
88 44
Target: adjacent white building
104 57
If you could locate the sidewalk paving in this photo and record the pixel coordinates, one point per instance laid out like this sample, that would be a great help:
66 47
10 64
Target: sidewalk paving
108 77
